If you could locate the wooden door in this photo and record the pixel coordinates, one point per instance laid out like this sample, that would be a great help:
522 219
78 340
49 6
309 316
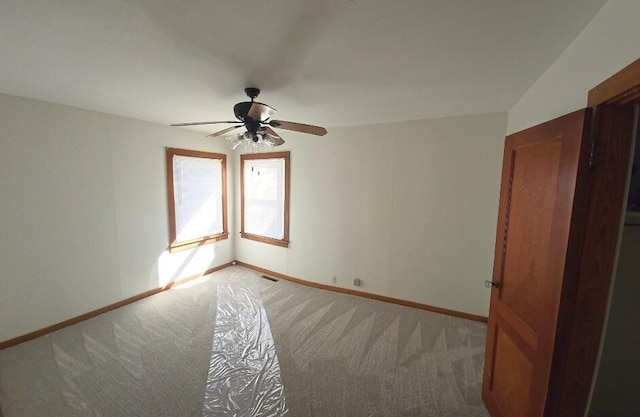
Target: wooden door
544 172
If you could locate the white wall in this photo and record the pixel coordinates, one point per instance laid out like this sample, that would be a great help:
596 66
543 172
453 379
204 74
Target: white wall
409 208
83 218
608 44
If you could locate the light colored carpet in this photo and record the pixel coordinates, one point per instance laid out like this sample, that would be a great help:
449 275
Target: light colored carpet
339 355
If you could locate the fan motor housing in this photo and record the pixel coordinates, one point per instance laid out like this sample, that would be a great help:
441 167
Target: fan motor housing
252 92
241 110
252 127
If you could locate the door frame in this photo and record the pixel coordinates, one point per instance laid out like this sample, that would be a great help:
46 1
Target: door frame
586 295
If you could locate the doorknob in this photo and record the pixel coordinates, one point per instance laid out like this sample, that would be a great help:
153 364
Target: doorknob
491 284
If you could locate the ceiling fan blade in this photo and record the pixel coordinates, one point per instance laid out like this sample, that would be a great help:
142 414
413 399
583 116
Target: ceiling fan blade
299 127
222 132
274 138
260 111
201 123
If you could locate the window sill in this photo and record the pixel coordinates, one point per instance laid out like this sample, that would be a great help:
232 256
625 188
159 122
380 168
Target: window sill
277 242
177 247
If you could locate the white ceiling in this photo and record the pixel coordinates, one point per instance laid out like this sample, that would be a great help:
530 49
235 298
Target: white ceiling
327 62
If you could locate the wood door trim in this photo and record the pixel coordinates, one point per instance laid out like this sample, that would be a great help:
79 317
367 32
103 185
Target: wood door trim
621 88
585 303
586 299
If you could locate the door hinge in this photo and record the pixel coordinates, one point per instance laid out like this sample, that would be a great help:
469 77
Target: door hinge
596 154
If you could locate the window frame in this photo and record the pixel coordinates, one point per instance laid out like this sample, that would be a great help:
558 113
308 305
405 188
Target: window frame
284 242
175 246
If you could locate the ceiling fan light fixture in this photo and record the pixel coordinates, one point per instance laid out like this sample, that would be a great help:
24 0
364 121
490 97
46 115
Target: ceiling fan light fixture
255 117
268 140
247 140
235 141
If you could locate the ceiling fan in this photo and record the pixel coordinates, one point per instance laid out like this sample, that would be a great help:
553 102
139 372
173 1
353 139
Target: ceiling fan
255 117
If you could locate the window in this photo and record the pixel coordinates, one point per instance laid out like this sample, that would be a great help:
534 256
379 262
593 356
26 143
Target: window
264 182
197 193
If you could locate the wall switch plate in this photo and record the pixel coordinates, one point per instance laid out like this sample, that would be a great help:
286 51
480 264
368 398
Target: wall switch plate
356 282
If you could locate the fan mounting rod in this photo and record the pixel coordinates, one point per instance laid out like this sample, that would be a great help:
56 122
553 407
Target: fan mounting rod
252 92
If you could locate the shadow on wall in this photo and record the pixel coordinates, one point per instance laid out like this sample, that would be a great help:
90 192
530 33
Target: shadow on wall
186 263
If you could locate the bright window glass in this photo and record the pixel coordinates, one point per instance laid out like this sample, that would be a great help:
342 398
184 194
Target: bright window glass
198 197
265 199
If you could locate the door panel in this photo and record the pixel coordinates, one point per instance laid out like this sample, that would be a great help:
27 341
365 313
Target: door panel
512 376
531 203
539 178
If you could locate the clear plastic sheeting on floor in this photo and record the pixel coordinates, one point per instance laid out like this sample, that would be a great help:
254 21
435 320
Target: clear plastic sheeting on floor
244 373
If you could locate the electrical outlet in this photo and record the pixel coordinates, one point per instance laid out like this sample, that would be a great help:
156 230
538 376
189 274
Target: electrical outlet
334 279
356 282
